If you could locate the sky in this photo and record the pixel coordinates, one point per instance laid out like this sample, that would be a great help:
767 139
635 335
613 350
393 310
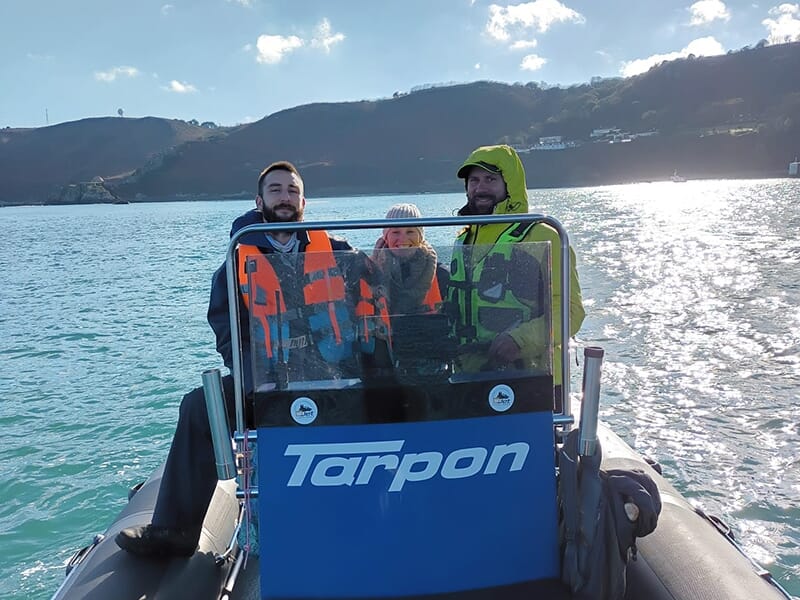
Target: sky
237 61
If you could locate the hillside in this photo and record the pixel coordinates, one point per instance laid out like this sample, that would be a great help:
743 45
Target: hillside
736 115
36 163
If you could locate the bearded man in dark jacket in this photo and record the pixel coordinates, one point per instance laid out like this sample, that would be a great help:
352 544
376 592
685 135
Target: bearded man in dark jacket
190 477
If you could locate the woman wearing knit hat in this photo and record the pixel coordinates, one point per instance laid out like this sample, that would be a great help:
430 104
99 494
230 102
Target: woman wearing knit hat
409 265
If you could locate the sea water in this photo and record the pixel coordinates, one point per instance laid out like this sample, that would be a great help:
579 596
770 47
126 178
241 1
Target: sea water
693 289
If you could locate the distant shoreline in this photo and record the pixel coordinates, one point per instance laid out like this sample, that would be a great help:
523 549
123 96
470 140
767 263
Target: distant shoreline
327 194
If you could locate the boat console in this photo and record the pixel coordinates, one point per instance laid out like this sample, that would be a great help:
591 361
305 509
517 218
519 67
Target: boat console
415 463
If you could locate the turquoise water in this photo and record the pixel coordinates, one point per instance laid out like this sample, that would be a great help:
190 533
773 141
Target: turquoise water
693 289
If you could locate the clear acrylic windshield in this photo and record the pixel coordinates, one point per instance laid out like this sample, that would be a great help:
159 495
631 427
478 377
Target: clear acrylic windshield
328 320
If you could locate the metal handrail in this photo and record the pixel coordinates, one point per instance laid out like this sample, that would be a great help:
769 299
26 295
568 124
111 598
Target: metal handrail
563 418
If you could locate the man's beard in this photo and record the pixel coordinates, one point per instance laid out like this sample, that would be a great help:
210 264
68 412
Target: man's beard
485 209
270 215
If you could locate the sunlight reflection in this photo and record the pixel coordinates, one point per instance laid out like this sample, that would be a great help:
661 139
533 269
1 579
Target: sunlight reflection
696 291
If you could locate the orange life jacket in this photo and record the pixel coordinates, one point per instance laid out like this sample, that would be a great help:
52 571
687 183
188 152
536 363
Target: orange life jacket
373 315
433 298
324 296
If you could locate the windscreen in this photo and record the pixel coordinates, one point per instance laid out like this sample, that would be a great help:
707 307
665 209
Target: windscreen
324 319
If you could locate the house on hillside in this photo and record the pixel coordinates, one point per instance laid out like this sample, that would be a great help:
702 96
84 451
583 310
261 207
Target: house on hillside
547 142
615 135
550 142
604 135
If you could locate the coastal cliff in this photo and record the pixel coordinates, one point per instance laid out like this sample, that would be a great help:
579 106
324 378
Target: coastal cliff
91 192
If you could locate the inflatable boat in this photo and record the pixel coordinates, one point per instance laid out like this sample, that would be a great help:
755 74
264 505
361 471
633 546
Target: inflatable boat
421 469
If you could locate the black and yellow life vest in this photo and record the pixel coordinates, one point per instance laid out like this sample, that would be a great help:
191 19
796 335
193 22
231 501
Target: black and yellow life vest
487 302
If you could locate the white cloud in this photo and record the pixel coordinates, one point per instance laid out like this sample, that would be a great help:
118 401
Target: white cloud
40 57
166 9
540 14
477 66
180 87
272 48
786 27
324 37
706 11
532 62
113 73
245 3
524 45
603 54
707 46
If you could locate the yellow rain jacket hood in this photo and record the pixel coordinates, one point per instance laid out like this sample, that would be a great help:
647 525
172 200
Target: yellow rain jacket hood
505 160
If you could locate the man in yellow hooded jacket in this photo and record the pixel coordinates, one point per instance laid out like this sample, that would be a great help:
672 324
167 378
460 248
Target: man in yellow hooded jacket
494 179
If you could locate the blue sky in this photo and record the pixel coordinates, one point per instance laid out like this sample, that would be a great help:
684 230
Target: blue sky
235 61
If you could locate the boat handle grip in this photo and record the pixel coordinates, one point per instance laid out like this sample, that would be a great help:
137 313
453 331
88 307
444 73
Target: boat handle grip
218 422
590 404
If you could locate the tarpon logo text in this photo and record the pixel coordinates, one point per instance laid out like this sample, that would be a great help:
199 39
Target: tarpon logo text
354 463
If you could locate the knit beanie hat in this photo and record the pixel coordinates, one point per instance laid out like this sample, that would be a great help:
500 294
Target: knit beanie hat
405 211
